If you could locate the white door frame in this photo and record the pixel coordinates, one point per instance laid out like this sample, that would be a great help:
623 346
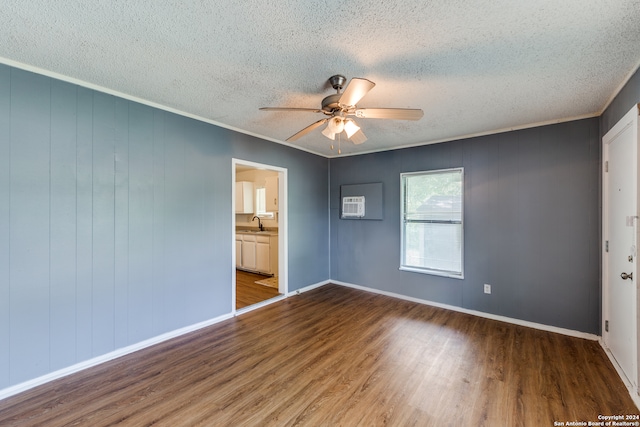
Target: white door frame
629 119
283 249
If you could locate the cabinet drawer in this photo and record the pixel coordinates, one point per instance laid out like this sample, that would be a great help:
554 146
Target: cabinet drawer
262 239
248 238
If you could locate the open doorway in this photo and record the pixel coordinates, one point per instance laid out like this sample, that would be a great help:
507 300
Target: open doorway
259 234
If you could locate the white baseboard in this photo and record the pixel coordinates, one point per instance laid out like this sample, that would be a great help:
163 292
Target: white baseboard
630 388
569 332
259 305
309 288
280 298
19 388
526 323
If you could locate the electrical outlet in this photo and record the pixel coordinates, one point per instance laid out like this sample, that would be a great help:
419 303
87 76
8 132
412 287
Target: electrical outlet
487 289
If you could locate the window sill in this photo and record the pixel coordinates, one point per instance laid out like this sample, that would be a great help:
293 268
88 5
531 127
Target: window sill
268 215
433 272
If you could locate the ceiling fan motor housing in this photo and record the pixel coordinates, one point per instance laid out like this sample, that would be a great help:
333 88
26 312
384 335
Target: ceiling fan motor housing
330 103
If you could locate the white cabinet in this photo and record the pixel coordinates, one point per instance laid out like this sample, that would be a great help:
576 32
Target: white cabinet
267 254
244 197
257 252
249 251
271 193
238 250
262 254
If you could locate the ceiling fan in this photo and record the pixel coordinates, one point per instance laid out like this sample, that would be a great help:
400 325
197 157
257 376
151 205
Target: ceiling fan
342 105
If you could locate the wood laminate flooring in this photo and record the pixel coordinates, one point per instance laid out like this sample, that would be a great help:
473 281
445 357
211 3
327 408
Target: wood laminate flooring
248 292
336 356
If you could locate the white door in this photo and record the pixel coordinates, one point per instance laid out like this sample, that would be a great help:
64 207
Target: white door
620 214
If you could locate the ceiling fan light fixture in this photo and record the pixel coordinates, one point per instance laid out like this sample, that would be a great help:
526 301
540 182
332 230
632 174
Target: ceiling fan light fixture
336 124
350 127
338 106
329 133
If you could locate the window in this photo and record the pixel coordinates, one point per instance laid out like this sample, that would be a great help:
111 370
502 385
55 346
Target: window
432 226
261 210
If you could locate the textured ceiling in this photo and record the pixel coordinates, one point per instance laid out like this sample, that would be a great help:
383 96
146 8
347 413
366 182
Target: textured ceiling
474 67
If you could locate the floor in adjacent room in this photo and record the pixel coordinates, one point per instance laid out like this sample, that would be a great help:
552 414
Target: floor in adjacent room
248 292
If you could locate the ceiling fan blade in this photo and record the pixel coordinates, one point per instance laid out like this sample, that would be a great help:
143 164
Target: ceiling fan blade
358 137
306 130
390 113
355 90
315 110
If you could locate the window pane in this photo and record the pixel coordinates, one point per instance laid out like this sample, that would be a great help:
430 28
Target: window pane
261 194
433 246
434 196
432 229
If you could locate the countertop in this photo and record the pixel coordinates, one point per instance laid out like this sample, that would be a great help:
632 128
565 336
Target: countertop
258 232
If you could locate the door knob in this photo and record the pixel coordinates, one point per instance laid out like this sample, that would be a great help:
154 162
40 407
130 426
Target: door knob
626 276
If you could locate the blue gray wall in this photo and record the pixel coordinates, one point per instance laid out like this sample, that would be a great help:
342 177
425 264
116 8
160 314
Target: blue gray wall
115 222
531 224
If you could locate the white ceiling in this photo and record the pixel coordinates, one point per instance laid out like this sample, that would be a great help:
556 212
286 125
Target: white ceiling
474 67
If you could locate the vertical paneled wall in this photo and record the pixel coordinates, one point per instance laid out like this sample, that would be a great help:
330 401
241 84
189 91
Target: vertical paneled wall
115 222
5 225
30 205
531 224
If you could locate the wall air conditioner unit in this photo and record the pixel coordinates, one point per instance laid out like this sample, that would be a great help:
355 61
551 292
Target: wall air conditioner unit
353 207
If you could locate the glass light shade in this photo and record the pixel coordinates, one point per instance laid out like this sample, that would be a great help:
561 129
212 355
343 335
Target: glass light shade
328 132
350 127
336 125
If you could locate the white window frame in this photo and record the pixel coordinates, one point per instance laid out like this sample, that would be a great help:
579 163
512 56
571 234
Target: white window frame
260 204
416 269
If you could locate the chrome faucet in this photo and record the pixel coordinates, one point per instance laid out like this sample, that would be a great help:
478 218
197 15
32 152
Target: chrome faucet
259 223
